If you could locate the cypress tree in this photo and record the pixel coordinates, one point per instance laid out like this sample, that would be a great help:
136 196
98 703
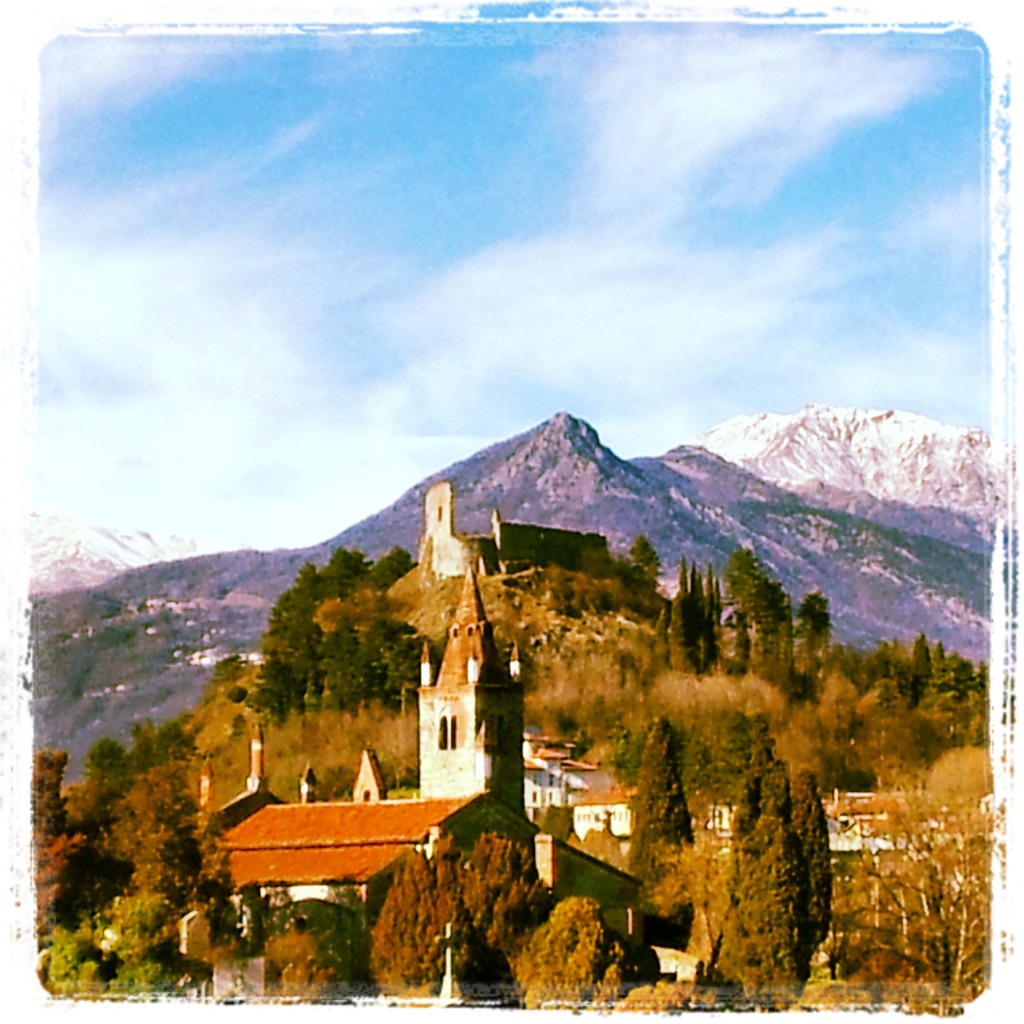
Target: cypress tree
920 670
811 828
712 614
661 816
764 938
694 622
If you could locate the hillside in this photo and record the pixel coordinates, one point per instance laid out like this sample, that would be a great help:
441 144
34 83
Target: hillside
143 644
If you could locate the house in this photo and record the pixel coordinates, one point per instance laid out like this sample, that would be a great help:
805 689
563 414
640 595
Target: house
610 810
860 822
551 776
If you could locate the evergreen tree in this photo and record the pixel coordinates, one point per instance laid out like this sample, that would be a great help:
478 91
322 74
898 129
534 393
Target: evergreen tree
813 626
764 939
712 617
645 561
811 829
920 670
694 623
572 958
493 899
504 901
661 816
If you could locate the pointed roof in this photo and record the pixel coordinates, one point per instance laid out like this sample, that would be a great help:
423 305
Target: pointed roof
470 608
470 638
369 784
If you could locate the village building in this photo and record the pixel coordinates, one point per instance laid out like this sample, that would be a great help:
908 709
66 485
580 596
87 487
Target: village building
510 547
552 777
610 810
328 865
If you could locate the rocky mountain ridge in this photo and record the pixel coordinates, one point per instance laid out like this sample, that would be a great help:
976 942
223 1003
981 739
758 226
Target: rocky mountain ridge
887 455
65 554
143 644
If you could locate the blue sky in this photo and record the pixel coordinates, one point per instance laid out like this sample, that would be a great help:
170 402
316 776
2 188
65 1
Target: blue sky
283 278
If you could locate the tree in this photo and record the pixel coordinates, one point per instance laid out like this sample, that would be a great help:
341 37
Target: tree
761 943
391 568
49 834
698 876
661 816
571 959
931 897
493 899
504 902
645 560
157 832
813 627
407 949
764 618
811 828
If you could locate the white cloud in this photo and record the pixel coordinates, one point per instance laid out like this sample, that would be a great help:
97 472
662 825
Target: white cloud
89 75
722 117
951 223
603 323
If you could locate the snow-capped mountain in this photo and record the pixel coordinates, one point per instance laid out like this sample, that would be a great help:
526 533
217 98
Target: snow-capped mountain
891 456
66 554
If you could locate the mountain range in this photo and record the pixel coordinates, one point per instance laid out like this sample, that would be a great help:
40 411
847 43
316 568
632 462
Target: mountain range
66 554
893 562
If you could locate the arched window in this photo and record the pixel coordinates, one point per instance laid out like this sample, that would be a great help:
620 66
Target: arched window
367 796
442 734
454 733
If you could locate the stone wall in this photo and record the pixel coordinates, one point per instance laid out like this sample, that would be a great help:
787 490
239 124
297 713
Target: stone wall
512 547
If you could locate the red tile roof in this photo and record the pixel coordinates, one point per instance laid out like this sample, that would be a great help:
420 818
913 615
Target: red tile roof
353 864
297 844
292 826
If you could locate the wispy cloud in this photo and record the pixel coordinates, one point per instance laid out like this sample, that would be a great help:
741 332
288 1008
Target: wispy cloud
719 117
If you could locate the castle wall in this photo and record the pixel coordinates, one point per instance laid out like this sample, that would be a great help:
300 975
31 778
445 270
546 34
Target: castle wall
512 547
522 546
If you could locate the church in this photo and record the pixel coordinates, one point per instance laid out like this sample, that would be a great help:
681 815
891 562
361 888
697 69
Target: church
332 862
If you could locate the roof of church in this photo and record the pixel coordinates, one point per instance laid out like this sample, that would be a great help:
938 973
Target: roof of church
471 607
330 842
351 864
290 826
470 636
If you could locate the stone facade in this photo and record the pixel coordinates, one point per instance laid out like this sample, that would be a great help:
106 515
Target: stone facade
471 713
511 547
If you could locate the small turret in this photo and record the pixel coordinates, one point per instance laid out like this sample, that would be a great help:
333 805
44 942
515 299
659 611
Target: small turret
256 768
513 662
426 677
307 785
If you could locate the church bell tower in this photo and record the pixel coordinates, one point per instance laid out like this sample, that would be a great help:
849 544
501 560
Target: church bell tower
471 713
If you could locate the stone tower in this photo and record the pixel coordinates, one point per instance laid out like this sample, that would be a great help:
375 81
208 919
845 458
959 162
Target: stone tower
471 714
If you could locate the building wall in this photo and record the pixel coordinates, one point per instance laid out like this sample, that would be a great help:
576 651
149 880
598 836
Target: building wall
452 771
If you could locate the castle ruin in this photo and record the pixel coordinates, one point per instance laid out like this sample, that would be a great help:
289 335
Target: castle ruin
511 547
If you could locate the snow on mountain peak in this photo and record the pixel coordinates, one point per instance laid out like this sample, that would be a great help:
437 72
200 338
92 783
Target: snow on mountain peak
66 554
889 454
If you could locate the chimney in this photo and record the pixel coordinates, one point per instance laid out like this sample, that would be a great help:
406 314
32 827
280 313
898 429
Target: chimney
255 779
546 856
